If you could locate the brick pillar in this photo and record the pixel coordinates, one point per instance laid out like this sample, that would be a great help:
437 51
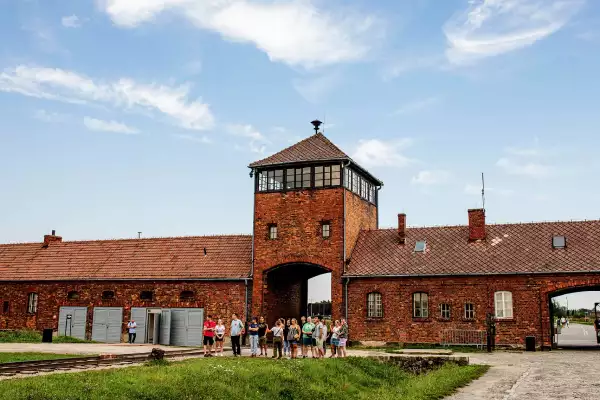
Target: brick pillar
477 224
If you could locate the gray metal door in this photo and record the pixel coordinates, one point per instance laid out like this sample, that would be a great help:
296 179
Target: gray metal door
139 315
186 326
165 327
107 324
74 326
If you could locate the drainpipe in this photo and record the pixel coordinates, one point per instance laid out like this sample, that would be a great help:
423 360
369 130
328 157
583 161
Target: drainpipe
246 301
253 225
346 299
377 204
344 166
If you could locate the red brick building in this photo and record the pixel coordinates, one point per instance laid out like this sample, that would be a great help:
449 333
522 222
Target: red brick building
315 211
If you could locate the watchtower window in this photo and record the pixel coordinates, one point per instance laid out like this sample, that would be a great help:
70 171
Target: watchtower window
270 180
306 177
273 231
326 229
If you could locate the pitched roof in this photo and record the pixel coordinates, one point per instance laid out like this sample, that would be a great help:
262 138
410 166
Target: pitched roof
227 257
314 148
508 249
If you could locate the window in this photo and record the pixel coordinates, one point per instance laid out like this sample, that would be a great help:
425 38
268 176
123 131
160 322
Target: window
420 246
306 177
73 295
270 180
290 182
325 229
420 305
5 307
32 302
273 231
329 175
374 305
108 295
504 306
146 295
186 295
445 311
559 242
469 311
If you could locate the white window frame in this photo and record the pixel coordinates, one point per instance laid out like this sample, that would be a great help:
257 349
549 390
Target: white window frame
469 311
325 230
503 305
445 309
420 305
273 232
374 305
32 303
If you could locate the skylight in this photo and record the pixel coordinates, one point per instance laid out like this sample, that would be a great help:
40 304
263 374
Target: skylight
420 246
559 242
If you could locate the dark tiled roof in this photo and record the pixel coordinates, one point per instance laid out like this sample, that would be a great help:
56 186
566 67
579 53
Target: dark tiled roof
227 257
314 148
510 248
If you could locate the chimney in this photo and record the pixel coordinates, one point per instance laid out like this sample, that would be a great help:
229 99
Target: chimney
477 224
402 228
52 238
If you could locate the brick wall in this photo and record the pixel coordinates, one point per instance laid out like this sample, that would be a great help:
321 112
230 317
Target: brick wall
530 296
360 215
216 297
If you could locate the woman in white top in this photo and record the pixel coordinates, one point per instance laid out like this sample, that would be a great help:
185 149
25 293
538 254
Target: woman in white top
219 337
335 338
277 338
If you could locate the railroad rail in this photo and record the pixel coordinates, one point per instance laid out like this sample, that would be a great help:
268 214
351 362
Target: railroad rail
67 364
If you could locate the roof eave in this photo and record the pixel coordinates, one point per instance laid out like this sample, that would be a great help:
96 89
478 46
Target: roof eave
467 274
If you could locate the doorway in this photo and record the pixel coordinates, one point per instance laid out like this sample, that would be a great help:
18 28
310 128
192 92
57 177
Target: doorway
573 317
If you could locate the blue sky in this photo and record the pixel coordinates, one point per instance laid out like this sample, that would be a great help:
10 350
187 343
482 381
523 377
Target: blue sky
121 116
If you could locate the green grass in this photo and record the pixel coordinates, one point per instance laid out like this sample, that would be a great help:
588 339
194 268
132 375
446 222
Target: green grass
14 357
234 378
28 336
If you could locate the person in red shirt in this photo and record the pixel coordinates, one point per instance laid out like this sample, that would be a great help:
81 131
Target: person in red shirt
209 335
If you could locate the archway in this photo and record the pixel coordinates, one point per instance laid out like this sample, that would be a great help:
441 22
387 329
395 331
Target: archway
572 325
285 290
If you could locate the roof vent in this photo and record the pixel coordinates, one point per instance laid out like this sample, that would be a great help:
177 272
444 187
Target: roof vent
420 246
559 242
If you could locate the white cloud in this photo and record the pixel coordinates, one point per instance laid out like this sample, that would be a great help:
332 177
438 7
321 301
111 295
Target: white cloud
379 153
257 141
67 86
417 105
47 116
293 32
71 21
475 190
530 169
193 138
432 177
492 27
94 124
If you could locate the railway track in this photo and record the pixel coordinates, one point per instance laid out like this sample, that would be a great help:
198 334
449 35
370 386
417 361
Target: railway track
86 362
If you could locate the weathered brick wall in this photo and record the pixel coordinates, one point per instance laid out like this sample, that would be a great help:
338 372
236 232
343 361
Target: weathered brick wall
360 215
530 306
219 298
298 215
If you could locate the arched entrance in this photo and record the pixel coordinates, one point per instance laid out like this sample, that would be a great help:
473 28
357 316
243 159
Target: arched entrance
285 290
576 330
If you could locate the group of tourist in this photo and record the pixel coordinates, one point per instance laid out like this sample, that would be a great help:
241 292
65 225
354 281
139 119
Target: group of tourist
311 336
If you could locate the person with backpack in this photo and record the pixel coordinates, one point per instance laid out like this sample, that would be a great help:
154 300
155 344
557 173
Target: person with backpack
293 337
277 338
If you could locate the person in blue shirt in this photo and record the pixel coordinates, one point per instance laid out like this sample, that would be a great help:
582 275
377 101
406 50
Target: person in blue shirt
253 333
237 328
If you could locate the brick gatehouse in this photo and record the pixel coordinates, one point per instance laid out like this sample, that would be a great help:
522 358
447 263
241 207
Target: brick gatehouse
315 212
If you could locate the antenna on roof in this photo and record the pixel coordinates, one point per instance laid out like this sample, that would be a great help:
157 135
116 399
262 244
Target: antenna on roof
316 123
483 191
324 121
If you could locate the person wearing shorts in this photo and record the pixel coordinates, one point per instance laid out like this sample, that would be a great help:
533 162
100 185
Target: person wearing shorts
219 338
307 330
293 337
343 337
209 335
317 351
262 336
335 340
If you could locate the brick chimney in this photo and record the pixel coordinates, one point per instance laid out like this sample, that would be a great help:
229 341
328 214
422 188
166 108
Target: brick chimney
52 238
477 224
402 228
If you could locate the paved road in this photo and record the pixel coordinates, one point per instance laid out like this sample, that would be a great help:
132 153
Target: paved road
577 335
553 375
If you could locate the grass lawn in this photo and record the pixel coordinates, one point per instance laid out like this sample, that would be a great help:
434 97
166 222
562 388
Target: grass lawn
14 357
233 378
27 336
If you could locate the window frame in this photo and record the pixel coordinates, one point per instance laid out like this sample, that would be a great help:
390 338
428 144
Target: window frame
420 308
192 297
106 297
424 246
5 306
564 246
323 230
147 299
469 311
32 302
374 305
442 311
272 228
504 302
